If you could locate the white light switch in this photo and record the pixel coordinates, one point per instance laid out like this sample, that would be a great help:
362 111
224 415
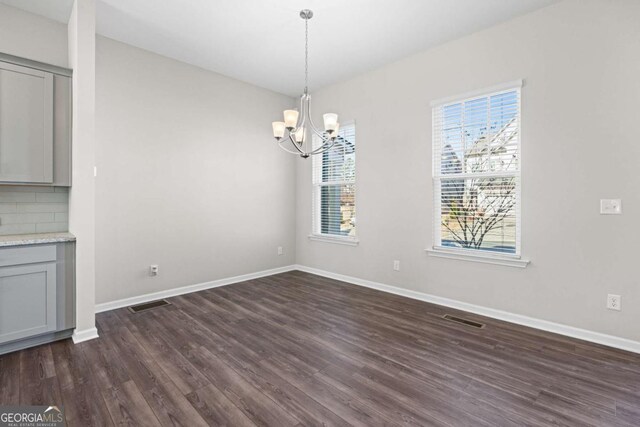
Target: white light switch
610 206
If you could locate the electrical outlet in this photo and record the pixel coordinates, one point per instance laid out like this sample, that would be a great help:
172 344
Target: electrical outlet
153 270
396 265
610 206
614 302
280 252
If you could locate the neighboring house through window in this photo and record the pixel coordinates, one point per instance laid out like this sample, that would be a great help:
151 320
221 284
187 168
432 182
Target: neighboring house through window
334 188
476 172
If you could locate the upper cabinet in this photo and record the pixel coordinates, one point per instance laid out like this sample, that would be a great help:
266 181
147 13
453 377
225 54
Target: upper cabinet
35 124
26 125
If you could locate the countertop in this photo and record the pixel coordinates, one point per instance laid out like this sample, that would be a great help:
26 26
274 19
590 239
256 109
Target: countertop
36 239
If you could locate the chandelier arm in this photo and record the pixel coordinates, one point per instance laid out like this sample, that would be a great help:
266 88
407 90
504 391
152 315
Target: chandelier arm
316 152
282 145
324 147
315 129
313 125
318 133
301 115
297 146
324 140
304 122
289 151
286 149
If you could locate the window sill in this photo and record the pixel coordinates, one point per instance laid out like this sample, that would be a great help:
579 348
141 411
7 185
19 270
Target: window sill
506 260
349 241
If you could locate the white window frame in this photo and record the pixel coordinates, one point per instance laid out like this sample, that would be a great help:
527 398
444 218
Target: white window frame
315 235
465 254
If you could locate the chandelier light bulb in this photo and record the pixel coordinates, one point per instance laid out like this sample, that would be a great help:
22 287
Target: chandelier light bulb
330 122
278 130
299 135
290 119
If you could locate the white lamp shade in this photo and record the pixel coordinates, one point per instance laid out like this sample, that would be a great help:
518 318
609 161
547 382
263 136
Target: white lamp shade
278 129
290 118
330 121
299 135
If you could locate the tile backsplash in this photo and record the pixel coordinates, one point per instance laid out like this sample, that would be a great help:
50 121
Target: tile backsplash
26 209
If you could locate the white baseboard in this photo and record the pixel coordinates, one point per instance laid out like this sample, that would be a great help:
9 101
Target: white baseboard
570 331
84 335
126 302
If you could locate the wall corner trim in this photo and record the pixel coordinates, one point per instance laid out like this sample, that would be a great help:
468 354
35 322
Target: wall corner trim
544 325
84 335
126 302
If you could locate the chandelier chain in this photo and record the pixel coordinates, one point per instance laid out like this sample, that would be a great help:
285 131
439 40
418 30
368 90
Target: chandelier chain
306 56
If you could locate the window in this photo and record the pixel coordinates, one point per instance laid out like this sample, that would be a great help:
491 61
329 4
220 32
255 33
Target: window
476 173
334 188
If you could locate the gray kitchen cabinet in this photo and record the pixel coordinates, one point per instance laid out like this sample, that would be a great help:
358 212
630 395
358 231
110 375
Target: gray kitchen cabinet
27 300
37 291
26 124
35 123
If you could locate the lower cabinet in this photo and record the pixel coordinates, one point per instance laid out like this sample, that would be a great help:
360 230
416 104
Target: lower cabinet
36 294
27 300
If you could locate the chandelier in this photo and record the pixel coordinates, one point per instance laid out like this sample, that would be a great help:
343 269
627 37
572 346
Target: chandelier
293 133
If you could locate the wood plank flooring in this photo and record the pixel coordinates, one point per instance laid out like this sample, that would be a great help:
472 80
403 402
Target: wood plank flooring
296 349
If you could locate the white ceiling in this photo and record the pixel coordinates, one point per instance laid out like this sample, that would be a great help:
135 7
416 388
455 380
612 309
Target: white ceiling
262 41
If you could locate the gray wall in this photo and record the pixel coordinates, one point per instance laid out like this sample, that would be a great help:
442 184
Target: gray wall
34 37
28 209
189 177
580 61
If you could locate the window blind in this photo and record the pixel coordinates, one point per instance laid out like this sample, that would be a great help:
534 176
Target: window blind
476 172
334 186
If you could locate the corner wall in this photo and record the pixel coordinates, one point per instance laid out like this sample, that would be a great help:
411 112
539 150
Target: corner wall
580 63
189 176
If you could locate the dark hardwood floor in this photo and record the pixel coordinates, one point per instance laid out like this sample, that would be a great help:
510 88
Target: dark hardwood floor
296 349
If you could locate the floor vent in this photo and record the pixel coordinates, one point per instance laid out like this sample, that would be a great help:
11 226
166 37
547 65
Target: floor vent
148 305
464 321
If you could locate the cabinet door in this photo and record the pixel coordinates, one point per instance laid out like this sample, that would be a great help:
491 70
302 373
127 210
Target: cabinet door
27 300
26 124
